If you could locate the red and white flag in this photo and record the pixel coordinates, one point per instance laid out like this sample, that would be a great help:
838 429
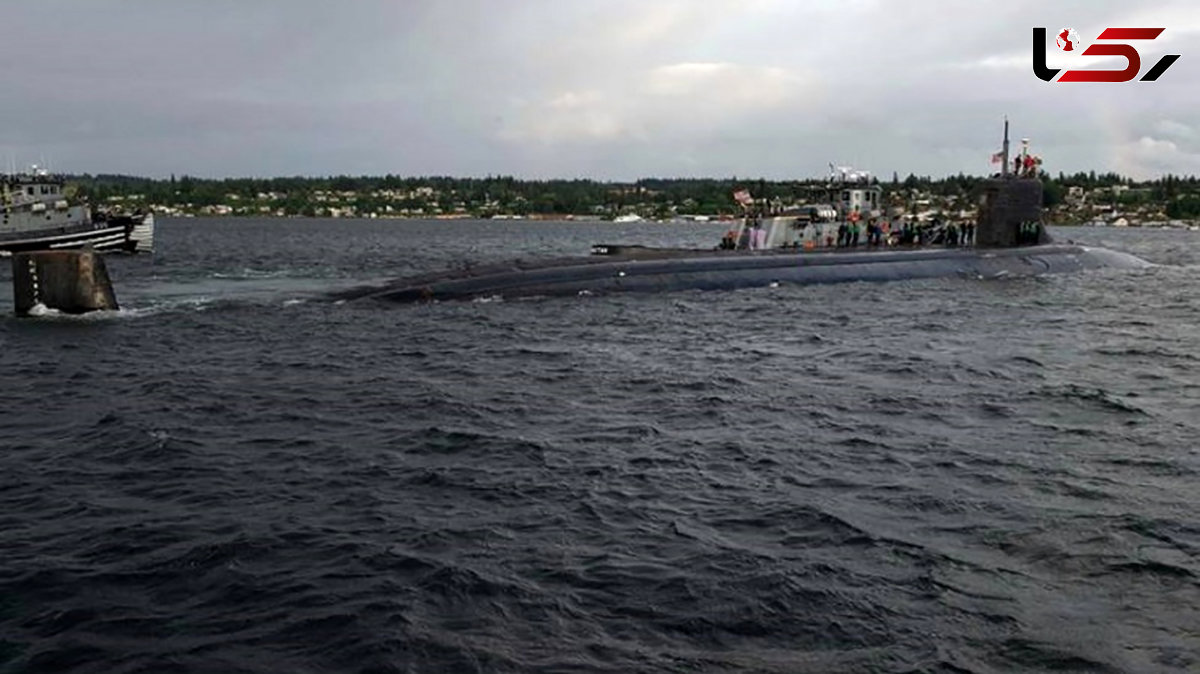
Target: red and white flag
743 197
998 157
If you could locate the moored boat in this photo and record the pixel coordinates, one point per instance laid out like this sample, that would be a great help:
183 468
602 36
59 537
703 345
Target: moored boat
37 213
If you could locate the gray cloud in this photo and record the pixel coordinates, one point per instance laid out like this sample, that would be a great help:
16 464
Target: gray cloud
605 89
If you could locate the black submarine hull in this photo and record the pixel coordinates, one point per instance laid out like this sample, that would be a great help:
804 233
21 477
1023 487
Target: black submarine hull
725 270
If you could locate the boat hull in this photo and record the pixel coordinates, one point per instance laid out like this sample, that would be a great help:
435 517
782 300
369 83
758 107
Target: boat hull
709 270
122 233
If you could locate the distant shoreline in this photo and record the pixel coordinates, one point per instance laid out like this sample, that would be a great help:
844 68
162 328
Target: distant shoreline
1082 197
1181 225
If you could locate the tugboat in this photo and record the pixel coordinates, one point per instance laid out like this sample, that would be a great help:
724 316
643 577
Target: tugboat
1007 239
36 213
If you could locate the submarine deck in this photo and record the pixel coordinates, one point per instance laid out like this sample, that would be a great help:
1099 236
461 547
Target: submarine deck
638 268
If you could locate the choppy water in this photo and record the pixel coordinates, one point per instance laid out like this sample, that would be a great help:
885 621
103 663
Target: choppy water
962 476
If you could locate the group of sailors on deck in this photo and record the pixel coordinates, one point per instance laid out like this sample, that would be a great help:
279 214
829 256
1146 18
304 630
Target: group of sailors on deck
904 233
853 232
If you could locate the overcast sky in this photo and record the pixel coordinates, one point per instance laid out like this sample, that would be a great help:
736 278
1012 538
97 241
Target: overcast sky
606 89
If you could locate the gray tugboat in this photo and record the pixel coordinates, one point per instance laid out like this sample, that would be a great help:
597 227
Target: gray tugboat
36 213
1006 240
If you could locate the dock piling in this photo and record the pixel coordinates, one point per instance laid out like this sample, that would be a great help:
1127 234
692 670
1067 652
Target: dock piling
70 281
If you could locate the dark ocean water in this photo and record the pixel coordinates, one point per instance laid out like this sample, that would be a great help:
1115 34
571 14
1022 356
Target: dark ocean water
231 475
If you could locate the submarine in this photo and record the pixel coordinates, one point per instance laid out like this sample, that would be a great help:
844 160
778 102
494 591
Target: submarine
1008 240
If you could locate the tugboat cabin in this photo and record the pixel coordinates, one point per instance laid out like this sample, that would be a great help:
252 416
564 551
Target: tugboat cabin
34 200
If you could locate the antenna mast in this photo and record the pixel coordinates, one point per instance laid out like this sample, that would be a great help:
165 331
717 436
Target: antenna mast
1004 166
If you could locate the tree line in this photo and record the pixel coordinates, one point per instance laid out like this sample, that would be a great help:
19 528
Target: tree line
508 194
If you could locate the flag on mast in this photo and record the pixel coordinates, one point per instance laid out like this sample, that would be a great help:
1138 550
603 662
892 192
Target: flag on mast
743 197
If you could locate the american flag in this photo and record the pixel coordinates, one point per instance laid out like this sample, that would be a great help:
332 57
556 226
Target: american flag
998 157
743 197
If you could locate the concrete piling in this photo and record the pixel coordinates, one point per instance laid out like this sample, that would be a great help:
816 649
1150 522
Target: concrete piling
70 281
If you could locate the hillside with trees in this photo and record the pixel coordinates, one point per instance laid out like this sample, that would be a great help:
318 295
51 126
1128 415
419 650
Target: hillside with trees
657 198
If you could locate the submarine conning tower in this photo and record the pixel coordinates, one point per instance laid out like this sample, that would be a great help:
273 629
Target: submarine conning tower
1011 210
1008 203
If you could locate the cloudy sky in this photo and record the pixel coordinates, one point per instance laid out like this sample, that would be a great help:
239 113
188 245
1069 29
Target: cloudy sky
607 89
